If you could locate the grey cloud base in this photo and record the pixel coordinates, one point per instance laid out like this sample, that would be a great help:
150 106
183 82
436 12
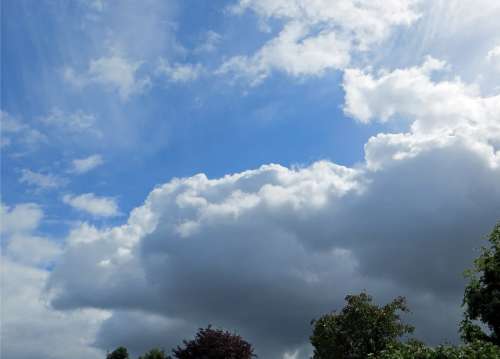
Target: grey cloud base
263 252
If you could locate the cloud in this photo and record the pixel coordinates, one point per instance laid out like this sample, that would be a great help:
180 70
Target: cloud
96 5
264 251
26 312
21 137
32 250
40 180
92 204
267 250
317 36
20 219
16 132
293 53
77 122
210 43
439 112
493 58
114 72
84 165
17 227
179 72
46 333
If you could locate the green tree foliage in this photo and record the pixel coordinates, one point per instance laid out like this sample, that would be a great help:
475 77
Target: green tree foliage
417 350
359 329
154 354
482 294
118 353
215 344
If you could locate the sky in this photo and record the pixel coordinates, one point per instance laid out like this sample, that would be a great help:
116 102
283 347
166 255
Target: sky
171 164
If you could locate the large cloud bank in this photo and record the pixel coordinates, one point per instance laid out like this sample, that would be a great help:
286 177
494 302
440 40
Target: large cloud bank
265 251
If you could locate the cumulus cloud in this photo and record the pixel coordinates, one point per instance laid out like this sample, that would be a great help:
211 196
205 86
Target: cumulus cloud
41 181
439 112
272 248
32 250
92 204
317 36
179 72
26 311
84 165
18 225
46 333
20 219
114 72
266 250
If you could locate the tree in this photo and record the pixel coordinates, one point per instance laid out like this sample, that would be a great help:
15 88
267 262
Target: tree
482 294
118 353
154 354
417 350
359 329
215 344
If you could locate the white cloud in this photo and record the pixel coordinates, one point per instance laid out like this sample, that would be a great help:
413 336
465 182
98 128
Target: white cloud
460 32
14 131
84 165
77 122
40 180
179 72
18 225
317 36
440 112
20 137
32 250
210 42
92 204
22 218
26 312
493 57
115 72
293 53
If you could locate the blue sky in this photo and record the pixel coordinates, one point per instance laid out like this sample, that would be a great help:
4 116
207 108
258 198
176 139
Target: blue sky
211 125
155 142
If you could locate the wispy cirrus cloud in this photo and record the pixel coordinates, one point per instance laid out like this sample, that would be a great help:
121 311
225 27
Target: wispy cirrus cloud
41 181
75 122
15 132
114 72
